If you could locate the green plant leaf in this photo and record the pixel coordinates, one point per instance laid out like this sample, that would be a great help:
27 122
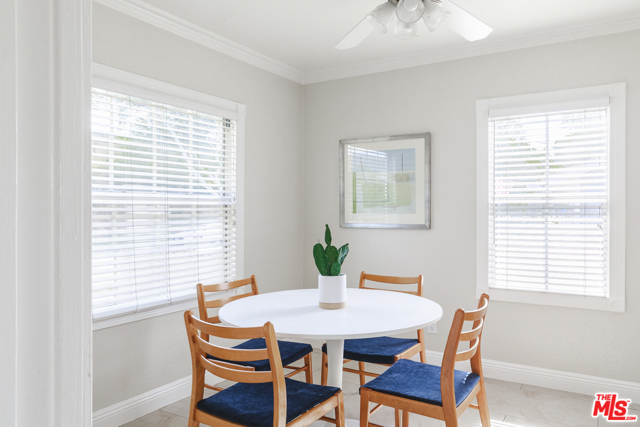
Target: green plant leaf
342 253
335 269
321 259
332 254
327 235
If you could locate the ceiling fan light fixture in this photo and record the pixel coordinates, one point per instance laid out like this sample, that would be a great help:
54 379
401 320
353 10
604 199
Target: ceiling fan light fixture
410 11
381 16
434 14
405 31
431 11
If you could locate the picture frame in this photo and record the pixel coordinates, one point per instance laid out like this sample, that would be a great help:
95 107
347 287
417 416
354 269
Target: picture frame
385 182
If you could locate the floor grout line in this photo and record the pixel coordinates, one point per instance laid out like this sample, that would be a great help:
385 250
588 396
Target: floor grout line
176 415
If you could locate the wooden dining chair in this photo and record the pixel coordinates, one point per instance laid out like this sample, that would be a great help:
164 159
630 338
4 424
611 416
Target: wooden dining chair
290 351
441 393
381 350
260 398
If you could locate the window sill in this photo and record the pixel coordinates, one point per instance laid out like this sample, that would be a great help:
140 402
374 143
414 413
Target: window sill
109 322
558 300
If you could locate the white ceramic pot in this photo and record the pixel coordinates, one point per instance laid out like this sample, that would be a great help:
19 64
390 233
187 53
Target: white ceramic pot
332 291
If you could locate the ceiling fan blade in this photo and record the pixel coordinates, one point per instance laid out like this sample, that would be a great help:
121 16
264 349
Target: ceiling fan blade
355 36
464 23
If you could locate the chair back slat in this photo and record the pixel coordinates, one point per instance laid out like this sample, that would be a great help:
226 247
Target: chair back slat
224 371
217 303
227 285
390 290
471 316
472 334
392 280
228 331
233 366
467 354
235 354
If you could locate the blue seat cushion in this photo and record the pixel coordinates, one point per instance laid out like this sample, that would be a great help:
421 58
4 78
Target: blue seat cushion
375 350
421 382
252 404
289 352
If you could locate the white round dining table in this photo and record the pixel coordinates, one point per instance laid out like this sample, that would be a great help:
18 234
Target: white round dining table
369 313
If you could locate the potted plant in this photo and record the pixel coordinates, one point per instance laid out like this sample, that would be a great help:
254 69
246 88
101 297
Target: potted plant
332 283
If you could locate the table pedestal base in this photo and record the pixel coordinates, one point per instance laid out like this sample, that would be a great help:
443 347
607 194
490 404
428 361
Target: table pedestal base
335 358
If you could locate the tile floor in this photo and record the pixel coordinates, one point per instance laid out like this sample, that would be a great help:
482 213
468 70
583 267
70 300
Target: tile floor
510 405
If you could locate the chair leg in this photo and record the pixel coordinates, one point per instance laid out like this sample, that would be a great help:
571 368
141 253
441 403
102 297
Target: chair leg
192 417
423 348
364 407
340 422
398 415
324 371
192 409
405 418
362 377
483 407
450 419
309 371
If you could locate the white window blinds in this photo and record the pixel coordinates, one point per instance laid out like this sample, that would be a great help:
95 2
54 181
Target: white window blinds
548 191
163 202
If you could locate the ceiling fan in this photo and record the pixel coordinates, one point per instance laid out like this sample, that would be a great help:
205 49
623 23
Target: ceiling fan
408 12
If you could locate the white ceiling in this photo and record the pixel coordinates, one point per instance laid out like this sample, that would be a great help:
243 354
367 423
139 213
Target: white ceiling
302 33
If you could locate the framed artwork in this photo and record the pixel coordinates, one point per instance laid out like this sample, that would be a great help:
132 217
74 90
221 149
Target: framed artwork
385 182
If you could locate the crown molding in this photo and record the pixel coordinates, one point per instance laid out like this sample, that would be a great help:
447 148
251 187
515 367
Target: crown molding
479 48
162 19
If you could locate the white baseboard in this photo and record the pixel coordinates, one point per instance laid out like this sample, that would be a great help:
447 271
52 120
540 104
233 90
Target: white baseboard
549 378
143 404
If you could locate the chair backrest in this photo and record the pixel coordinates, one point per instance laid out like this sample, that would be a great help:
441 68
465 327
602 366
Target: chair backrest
200 363
451 353
204 304
393 281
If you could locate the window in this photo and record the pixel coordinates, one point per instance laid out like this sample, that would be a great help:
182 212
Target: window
164 200
551 198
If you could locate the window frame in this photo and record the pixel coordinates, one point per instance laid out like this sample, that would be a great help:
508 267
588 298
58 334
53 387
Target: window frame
111 79
554 101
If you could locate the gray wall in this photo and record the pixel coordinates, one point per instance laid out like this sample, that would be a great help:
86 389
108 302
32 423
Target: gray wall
137 357
440 99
